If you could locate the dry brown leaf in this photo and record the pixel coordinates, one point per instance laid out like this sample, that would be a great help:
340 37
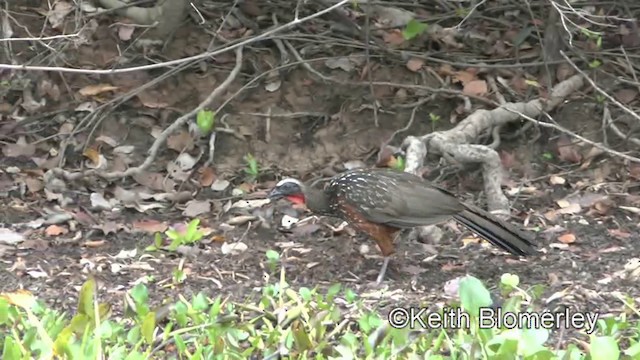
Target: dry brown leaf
55 230
508 159
60 10
564 71
125 32
393 37
446 70
149 226
127 197
247 188
96 89
175 171
603 207
476 88
568 151
592 154
181 141
567 238
464 77
152 99
519 84
626 95
154 181
106 140
634 170
305 229
94 243
218 238
34 185
415 64
20 148
47 87
557 180
35 244
93 155
196 207
110 227
451 267
207 176
619 233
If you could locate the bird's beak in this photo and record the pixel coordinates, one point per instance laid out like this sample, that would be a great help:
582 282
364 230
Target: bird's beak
275 194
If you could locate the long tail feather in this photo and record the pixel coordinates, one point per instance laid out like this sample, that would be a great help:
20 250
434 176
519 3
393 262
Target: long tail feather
499 233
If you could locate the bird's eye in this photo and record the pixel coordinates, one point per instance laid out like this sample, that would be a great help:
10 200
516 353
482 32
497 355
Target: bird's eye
290 188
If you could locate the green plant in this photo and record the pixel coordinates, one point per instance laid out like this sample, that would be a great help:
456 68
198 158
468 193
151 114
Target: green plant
413 28
188 236
304 323
434 118
593 35
399 163
595 63
205 120
252 168
272 259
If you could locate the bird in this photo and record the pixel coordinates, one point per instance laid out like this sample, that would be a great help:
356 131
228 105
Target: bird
380 202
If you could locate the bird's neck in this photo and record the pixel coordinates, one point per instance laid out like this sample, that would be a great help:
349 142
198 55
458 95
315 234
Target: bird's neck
317 201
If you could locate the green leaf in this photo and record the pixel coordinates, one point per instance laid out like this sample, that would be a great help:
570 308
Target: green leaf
205 120
333 291
4 311
85 299
133 335
193 226
473 295
215 307
200 302
272 255
399 163
604 348
252 165
350 295
11 349
300 336
510 280
532 341
305 293
172 234
148 327
140 294
413 29
595 64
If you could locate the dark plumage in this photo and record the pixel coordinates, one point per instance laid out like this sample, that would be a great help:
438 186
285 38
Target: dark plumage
380 202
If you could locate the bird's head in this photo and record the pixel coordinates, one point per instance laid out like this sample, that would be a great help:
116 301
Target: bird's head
291 189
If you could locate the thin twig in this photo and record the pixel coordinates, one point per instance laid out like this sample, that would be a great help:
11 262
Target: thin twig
570 133
204 55
165 134
598 89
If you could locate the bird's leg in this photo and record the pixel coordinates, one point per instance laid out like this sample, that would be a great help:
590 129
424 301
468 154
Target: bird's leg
385 243
384 236
383 270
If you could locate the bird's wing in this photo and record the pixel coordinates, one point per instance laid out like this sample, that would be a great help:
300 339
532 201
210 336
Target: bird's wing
408 202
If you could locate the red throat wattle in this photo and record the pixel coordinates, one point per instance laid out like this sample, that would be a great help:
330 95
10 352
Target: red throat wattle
296 199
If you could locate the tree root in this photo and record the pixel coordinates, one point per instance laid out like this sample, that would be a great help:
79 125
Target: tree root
456 144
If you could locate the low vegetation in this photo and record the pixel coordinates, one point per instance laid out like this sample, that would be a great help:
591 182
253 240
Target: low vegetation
298 323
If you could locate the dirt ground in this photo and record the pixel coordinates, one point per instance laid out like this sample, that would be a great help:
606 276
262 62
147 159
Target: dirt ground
585 273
